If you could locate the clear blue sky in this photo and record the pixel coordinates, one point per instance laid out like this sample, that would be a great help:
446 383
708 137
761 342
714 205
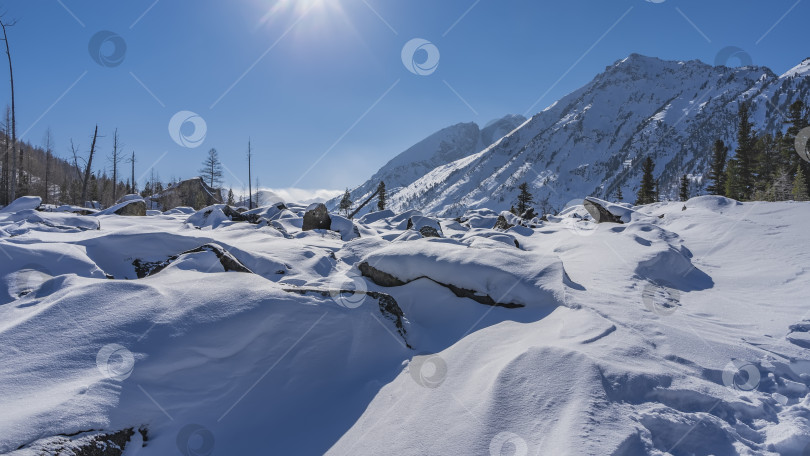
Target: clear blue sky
309 70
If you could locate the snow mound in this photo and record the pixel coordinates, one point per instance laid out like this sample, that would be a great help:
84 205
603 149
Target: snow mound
510 277
22 203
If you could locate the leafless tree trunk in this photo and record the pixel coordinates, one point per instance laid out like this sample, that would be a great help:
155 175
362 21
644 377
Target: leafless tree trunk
6 161
250 189
13 184
48 155
115 158
89 166
132 161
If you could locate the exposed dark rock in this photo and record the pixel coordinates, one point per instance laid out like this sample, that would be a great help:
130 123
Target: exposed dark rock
381 278
389 308
238 216
599 213
228 261
385 279
502 224
136 208
428 231
316 218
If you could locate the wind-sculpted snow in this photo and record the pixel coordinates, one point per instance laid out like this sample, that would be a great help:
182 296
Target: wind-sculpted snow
676 332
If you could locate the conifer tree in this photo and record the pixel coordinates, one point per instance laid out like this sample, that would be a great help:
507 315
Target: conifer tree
619 196
524 199
735 187
717 171
231 199
346 202
646 193
744 154
684 191
211 171
382 197
799 192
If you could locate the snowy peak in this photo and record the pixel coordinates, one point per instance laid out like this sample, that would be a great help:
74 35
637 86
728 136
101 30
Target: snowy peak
799 70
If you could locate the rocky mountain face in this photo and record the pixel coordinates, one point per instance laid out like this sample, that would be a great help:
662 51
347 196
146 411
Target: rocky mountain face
592 141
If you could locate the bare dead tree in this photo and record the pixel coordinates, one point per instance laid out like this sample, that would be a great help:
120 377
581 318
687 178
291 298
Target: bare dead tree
89 166
48 146
363 204
13 184
132 162
115 159
250 189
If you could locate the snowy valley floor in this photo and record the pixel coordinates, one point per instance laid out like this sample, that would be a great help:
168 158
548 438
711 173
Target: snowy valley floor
681 332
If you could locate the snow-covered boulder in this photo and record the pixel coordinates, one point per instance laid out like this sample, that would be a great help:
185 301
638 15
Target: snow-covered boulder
347 229
316 217
372 217
211 216
22 203
426 226
180 210
133 207
510 278
603 211
129 197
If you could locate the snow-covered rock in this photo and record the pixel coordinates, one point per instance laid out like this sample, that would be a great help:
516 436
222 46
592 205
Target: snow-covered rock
22 203
316 217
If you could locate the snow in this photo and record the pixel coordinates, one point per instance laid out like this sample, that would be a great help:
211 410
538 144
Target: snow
680 334
125 201
22 203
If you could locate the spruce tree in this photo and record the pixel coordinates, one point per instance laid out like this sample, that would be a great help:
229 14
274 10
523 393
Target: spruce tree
619 196
799 192
382 197
744 154
524 199
646 193
684 192
211 171
231 199
735 187
346 202
717 171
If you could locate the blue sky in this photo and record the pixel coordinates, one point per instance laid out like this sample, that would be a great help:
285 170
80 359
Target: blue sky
320 86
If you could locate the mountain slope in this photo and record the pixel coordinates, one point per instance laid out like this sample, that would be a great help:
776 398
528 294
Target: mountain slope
592 141
444 146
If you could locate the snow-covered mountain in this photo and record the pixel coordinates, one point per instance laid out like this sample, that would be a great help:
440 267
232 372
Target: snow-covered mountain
592 141
440 148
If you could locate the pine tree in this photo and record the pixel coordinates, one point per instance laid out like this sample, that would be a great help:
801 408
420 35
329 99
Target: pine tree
231 200
735 187
646 193
684 193
211 171
619 196
346 202
799 192
382 197
744 154
524 199
717 171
